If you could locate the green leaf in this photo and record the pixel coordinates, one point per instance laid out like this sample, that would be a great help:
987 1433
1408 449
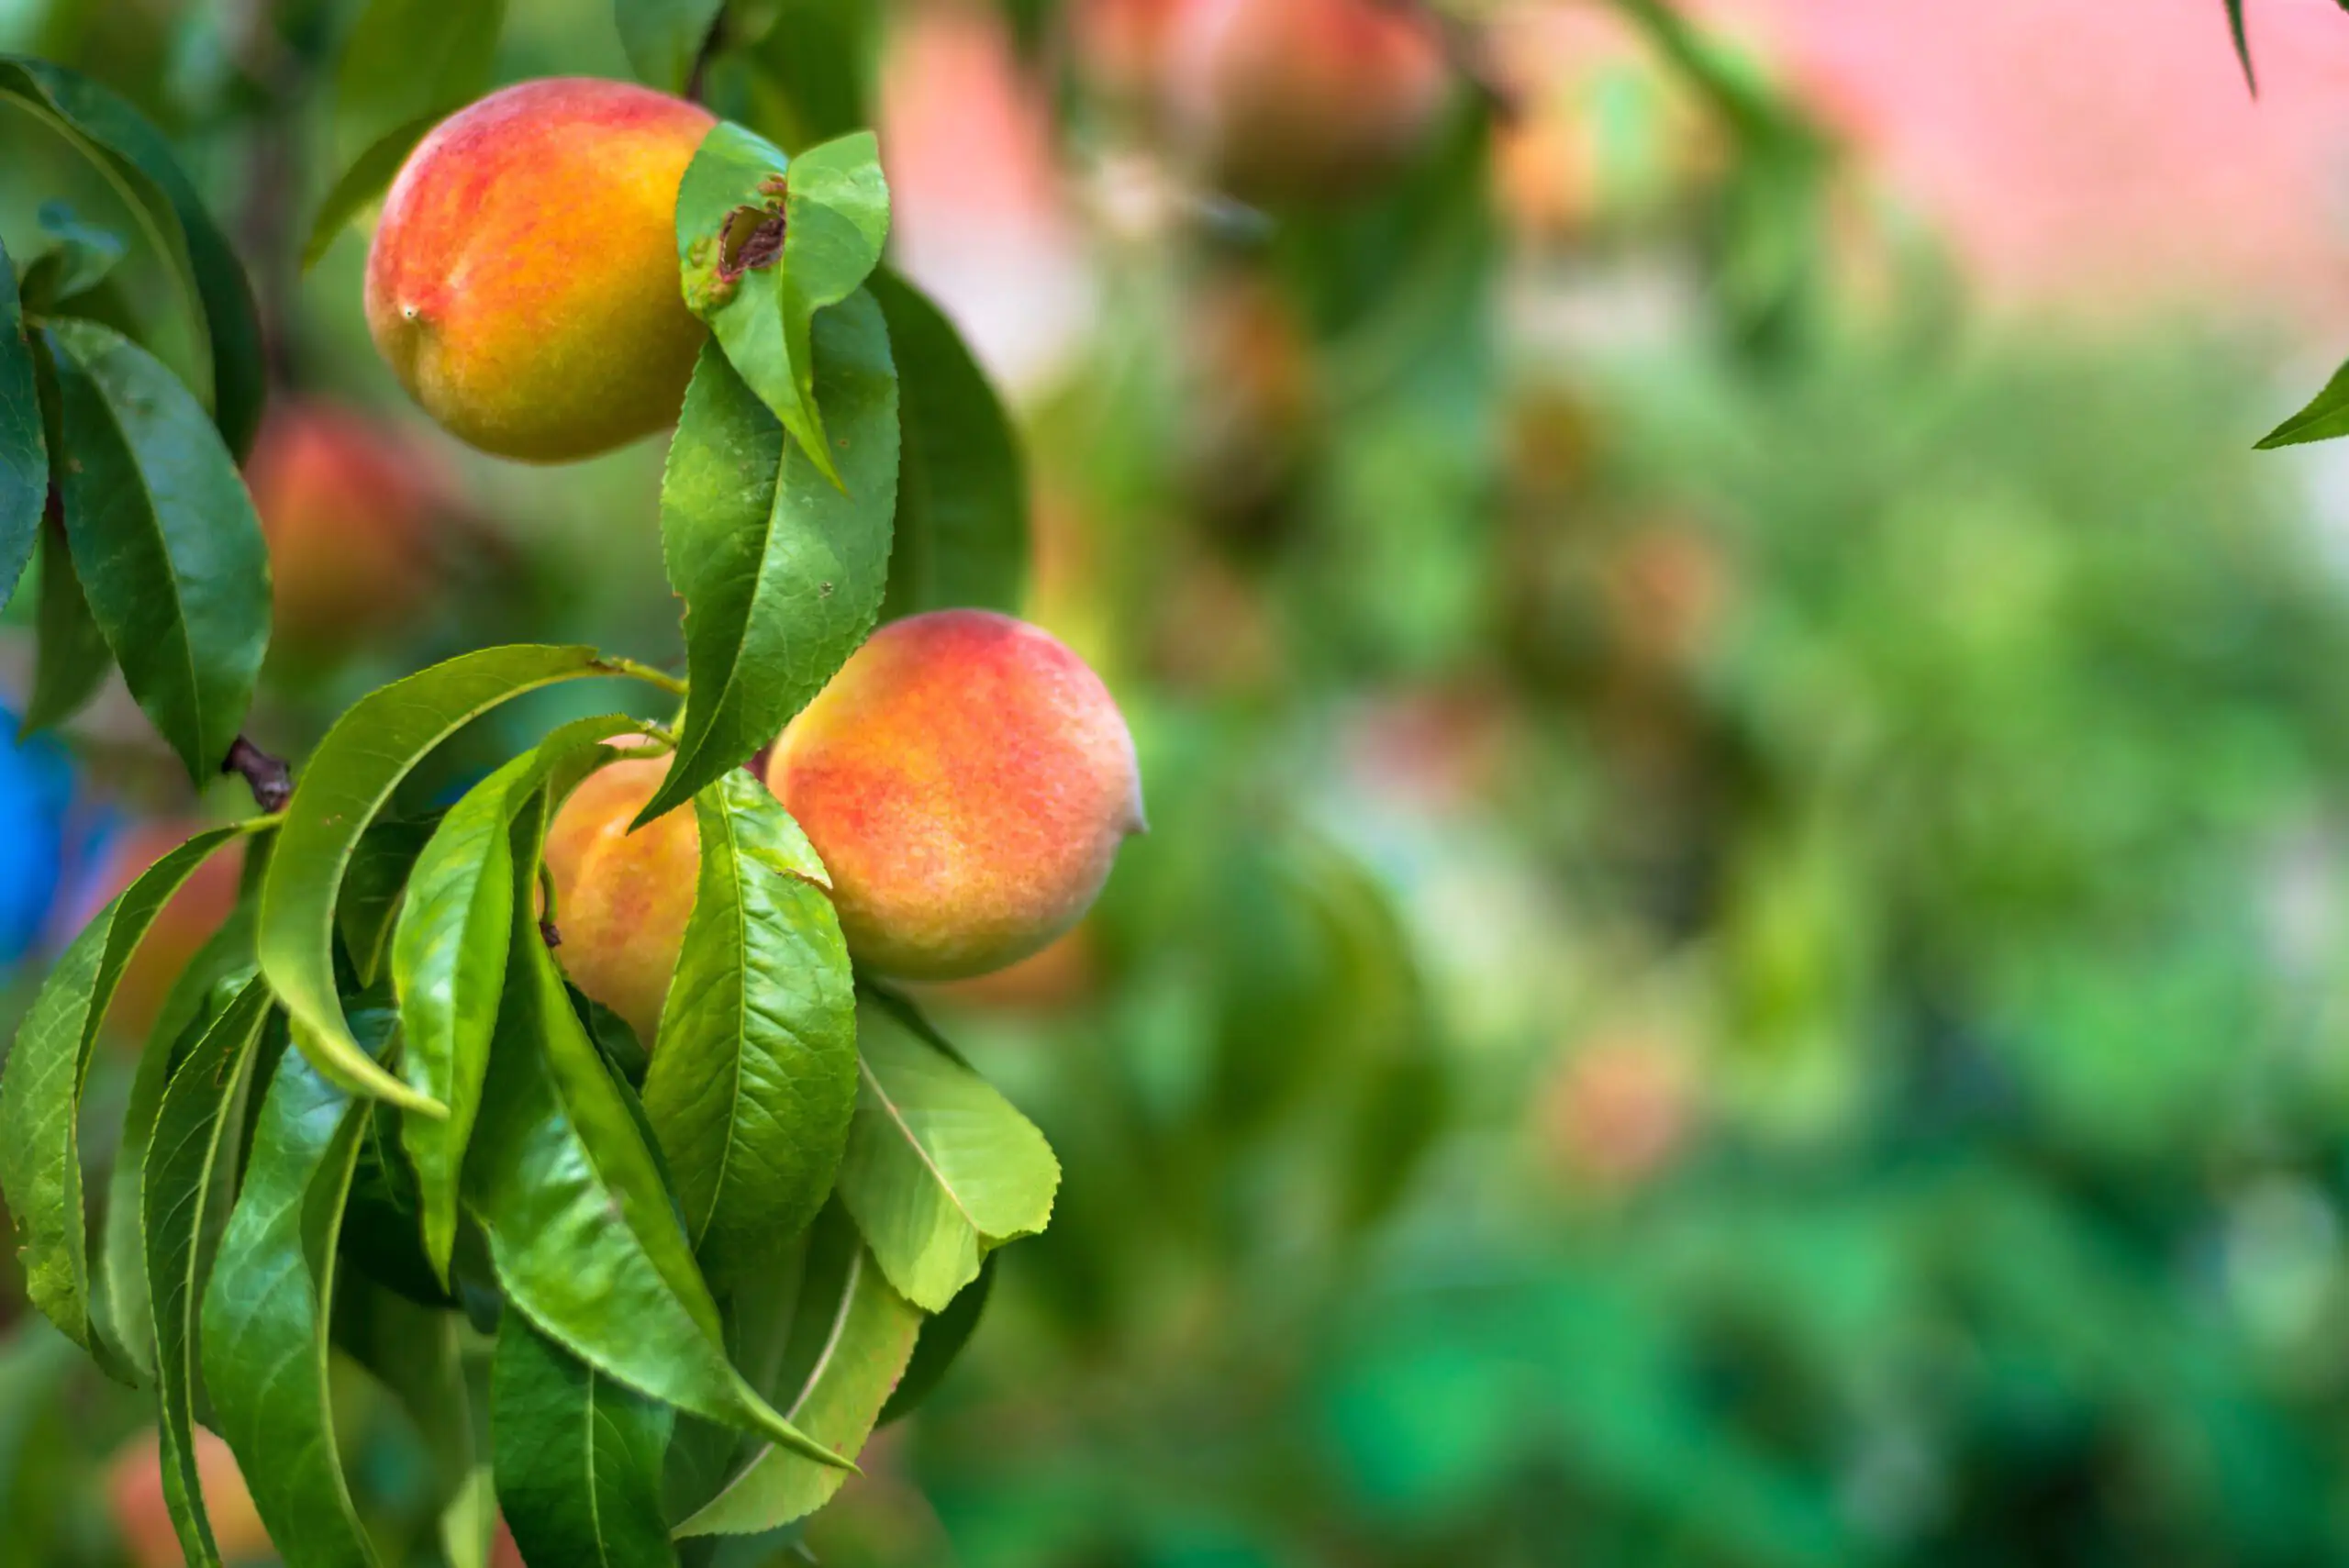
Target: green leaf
448 964
962 527
266 1315
583 1233
2243 44
138 159
2325 419
185 1159
362 759
781 573
941 1345
80 259
163 538
831 205
821 55
413 59
755 1078
40 1096
24 447
371 888
73 659
578 1456
940 1168
664 38
850 1338
368 177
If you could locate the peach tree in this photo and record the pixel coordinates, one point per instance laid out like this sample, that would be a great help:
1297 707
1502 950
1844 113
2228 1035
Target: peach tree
647 1260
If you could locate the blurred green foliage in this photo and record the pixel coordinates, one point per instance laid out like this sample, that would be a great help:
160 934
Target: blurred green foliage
1898 748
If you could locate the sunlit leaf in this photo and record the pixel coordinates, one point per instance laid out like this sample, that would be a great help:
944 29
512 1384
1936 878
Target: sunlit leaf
191 1154
940 1169
362 759
850 1337
267 1311
40 1096
753 1084
782 572
2325 419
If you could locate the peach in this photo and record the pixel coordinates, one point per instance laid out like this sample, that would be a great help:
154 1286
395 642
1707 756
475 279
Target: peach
349 507
523 282
135 1490
1304 99
621 899
967 780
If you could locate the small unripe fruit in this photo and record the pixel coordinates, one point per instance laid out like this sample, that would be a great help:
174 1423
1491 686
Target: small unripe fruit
621 899
135 1491
523 282
967 780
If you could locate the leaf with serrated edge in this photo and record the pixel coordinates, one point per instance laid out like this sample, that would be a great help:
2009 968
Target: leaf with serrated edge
578 1456
941 1345
664 38
755 1079
2325 419
581 1230
961 540
266 1314
40 1096
850 1340
23 445
362 759
182 1165
782 573
448 964
164 540
940 1168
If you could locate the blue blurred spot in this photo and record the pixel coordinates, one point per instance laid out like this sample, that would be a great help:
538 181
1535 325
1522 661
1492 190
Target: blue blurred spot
35 789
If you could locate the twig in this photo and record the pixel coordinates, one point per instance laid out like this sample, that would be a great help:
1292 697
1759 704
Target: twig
270 778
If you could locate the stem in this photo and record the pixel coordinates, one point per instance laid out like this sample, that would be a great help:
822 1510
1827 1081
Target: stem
270 778
661 678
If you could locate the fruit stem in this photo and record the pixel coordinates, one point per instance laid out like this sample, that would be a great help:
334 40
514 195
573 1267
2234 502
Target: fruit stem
659 678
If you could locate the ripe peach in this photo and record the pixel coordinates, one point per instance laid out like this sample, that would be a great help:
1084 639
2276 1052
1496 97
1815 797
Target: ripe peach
967 780
348 506
1304 99
523 282
135 1490
621 899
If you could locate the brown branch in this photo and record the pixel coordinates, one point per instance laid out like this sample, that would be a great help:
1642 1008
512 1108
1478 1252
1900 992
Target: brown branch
270 778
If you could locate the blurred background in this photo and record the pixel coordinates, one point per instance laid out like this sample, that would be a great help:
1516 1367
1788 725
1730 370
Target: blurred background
1742 959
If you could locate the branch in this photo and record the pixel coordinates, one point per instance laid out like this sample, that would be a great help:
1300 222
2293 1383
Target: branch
269 779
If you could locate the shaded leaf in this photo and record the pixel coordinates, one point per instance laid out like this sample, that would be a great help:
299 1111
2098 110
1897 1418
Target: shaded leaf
449 963
163 538
821 55
138 158
2325 419
941 1345
379 872
266 1313
851 1338
781 573
578 1456
581 1229
79 258
961 538
40 1096
762 298
753 1084
362 759
72 660
664 37
23 445
412 59
190 1153
2243 44
940 1169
